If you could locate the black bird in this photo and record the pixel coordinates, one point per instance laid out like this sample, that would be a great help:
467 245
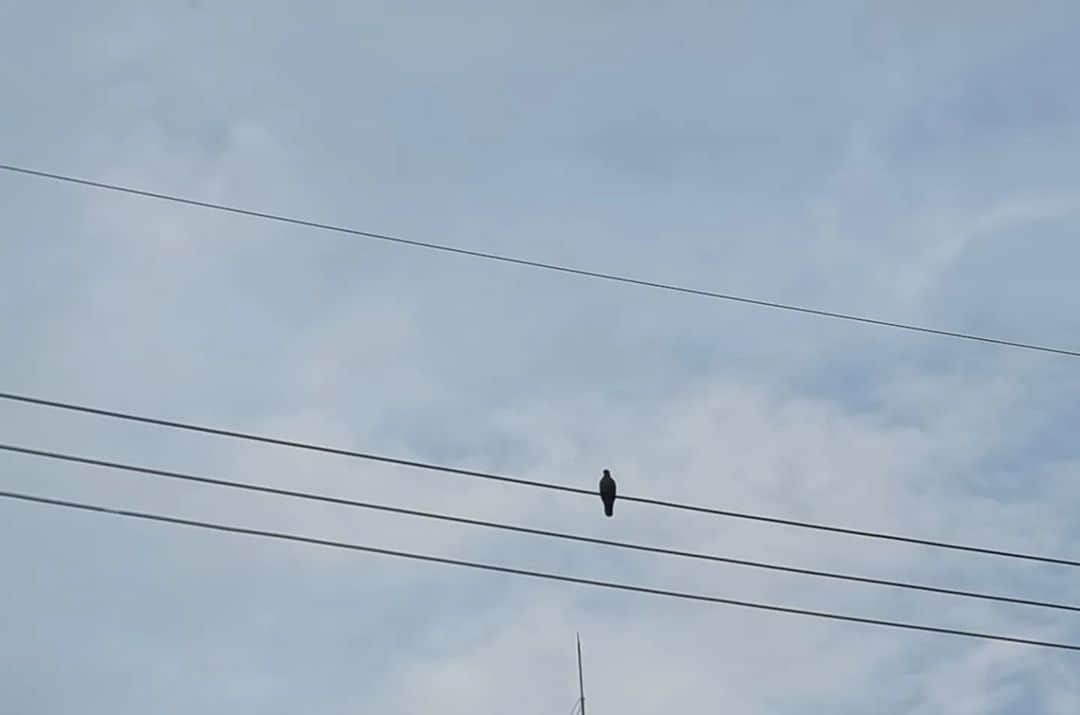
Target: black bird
607 493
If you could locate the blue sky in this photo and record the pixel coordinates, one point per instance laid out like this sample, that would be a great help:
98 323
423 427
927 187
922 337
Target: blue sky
905 161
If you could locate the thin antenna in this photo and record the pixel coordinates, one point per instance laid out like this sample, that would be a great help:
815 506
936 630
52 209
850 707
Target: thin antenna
580 676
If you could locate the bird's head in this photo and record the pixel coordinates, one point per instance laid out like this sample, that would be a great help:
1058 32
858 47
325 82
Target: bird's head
607 473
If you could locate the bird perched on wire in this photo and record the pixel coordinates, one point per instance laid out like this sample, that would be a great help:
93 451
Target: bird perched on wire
607 493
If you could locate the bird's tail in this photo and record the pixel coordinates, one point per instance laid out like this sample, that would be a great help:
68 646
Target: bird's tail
609 510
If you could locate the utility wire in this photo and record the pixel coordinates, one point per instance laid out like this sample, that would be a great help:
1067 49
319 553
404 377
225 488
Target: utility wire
181 476
613 277
613 585
248 436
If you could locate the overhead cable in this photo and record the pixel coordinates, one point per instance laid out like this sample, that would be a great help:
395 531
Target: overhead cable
484 255
597 583
458 471
581 538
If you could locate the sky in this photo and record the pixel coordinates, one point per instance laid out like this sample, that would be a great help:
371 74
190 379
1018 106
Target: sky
906 161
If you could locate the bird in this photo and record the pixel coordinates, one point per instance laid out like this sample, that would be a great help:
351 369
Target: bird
607 493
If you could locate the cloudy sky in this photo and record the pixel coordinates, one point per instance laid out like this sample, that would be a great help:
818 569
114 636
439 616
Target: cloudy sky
908 161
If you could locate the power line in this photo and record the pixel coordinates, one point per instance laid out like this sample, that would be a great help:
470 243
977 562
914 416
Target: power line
311 447
181 476
293 444
613 277
613 585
